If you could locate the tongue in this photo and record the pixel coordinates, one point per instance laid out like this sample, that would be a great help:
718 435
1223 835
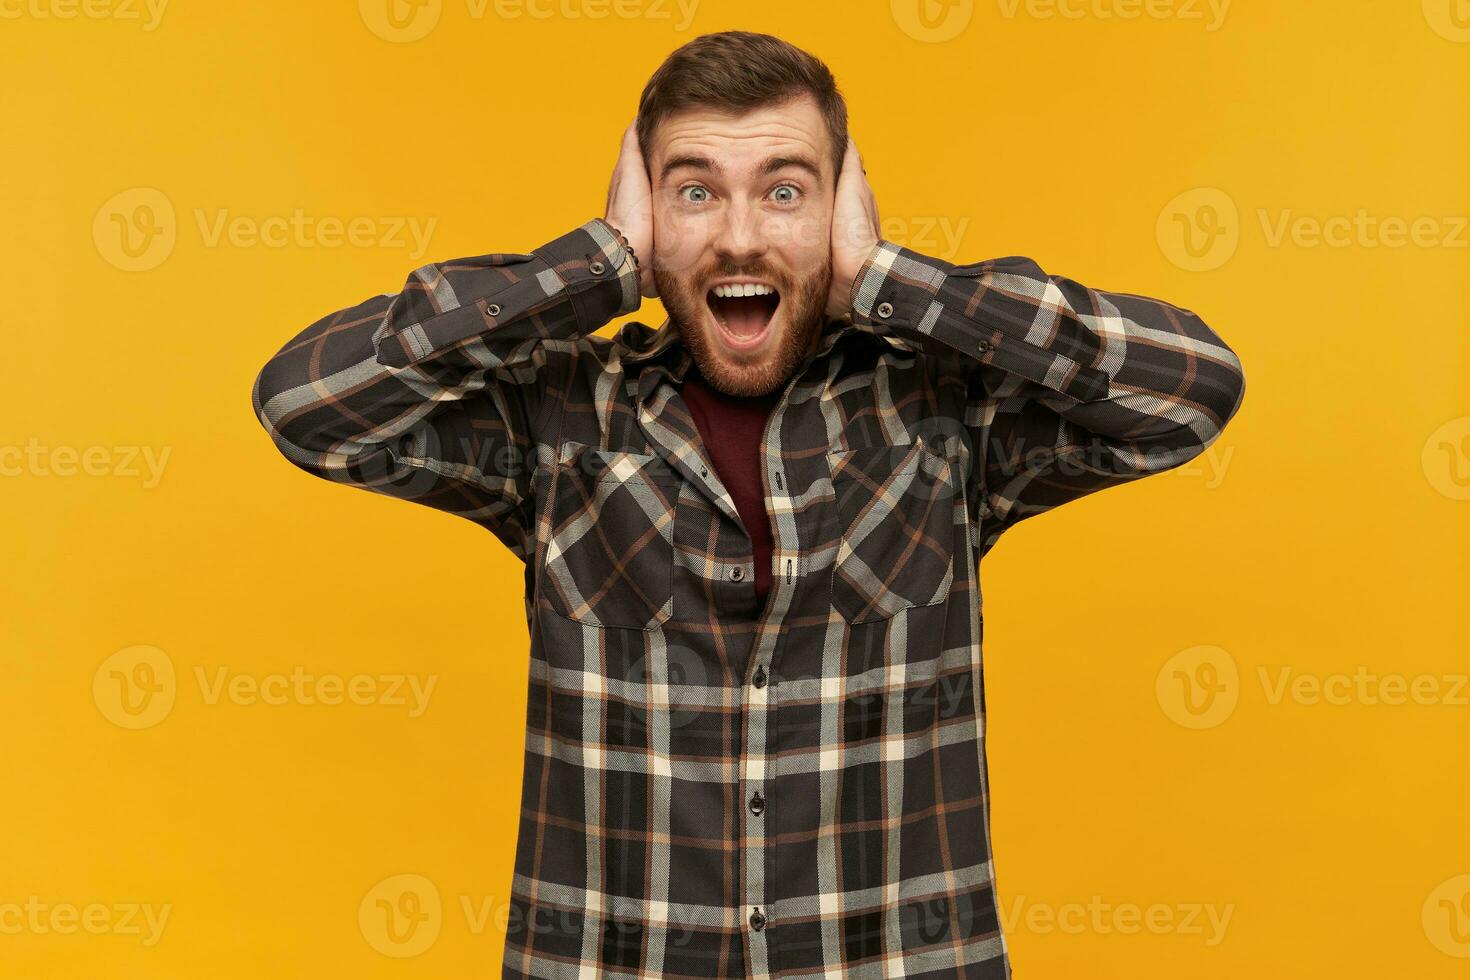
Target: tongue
745 316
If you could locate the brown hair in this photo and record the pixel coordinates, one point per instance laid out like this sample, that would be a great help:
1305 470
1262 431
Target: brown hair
736 71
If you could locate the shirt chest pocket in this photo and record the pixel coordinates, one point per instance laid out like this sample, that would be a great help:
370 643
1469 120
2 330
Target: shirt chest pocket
608 533
895 515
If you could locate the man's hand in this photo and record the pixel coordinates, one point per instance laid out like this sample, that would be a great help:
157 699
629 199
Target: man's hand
630 207
854 230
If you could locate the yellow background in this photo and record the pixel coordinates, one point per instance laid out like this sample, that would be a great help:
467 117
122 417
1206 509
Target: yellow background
1324 536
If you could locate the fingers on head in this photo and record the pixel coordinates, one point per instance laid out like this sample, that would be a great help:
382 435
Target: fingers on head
630 139
852 160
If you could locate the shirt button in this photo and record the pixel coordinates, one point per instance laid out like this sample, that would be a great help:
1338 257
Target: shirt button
759 680
493 309
757 803
885 310
597 268
984 346
757 920
737 573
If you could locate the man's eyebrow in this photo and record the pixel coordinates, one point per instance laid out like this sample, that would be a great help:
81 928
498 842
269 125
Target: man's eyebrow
769 166
692 161
800 162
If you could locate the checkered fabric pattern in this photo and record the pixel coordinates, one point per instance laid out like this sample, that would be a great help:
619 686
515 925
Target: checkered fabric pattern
713 789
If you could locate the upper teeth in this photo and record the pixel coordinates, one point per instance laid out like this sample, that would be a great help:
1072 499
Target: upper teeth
744 289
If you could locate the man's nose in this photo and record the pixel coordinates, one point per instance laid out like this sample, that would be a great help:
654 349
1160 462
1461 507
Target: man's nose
741 236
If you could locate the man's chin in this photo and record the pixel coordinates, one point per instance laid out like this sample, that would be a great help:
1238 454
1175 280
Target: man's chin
742 371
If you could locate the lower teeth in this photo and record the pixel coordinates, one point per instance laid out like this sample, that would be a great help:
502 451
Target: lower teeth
756 311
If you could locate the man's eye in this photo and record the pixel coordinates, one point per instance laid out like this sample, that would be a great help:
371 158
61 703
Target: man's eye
695 194
785 194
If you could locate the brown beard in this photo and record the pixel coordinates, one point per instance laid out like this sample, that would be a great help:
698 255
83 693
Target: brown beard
803 308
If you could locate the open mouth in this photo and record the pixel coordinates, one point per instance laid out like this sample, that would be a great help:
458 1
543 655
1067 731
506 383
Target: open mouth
744 311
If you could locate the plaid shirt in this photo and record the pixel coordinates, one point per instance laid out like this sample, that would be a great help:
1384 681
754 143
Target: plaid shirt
712 788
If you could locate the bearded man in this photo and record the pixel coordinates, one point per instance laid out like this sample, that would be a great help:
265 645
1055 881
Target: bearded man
755 739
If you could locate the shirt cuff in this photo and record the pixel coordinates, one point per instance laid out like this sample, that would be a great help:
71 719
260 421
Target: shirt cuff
598 273
587 268
1001 313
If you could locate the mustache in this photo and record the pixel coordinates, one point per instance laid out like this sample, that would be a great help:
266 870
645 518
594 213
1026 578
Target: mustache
692 284
728 271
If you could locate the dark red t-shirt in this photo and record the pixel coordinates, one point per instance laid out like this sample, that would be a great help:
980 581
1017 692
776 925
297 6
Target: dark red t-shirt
731 428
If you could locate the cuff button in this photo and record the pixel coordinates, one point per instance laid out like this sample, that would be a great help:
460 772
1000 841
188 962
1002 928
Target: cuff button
597 268
885 310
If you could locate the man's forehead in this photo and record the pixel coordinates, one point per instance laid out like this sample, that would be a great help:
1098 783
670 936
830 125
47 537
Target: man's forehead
737 145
